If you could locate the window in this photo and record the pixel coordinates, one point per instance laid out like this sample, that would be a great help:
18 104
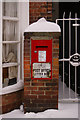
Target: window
10 44
12 27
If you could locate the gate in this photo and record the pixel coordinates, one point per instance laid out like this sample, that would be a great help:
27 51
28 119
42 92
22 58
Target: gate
69 58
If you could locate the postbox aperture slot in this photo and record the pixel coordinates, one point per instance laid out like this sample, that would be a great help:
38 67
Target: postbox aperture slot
41 46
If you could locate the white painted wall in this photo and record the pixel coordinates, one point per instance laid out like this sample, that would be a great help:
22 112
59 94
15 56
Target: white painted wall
24 15
24 22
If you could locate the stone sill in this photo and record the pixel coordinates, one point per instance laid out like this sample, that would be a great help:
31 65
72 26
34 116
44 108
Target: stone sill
12 88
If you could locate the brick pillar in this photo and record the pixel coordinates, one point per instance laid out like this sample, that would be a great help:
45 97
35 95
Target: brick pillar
40 94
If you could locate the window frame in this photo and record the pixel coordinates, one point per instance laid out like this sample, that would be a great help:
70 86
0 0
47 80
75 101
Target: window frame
19 85
1 46
14 19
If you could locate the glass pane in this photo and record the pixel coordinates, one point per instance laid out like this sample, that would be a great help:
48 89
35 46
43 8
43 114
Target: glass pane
10 9
9 53
9 57
10 31
9 76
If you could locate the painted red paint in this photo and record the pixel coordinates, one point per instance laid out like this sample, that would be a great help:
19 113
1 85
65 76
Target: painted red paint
41 52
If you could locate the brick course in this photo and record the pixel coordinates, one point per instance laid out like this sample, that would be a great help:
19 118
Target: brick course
39 94
40 9
11 101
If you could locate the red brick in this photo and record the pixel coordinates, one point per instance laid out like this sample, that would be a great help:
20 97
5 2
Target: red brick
31 105
56 46
56 71
50 84
26 54
44 97
27 45
34 80
26 92
56 50
26 75
27 67
55 41
27 79
27 58
26 62
44 80
37 92
50 8
55 67
26 83
37 101
11 101
44 88
51 92
27 71
56 76
31 88
55 55
55 61
32 96
43 10
38 84
55 96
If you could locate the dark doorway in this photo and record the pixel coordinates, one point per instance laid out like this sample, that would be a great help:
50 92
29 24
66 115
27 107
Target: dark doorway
73 7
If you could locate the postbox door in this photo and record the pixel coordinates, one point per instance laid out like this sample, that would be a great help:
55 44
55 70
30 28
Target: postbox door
41 59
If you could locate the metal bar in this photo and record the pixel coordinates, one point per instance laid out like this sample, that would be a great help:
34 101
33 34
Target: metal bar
69 82
64 59
68 19
76 25
76 52
75 82
76 33
63 51
56 21
63 79
69 35
69 52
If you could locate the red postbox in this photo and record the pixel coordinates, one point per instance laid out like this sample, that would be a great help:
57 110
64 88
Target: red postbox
41 59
